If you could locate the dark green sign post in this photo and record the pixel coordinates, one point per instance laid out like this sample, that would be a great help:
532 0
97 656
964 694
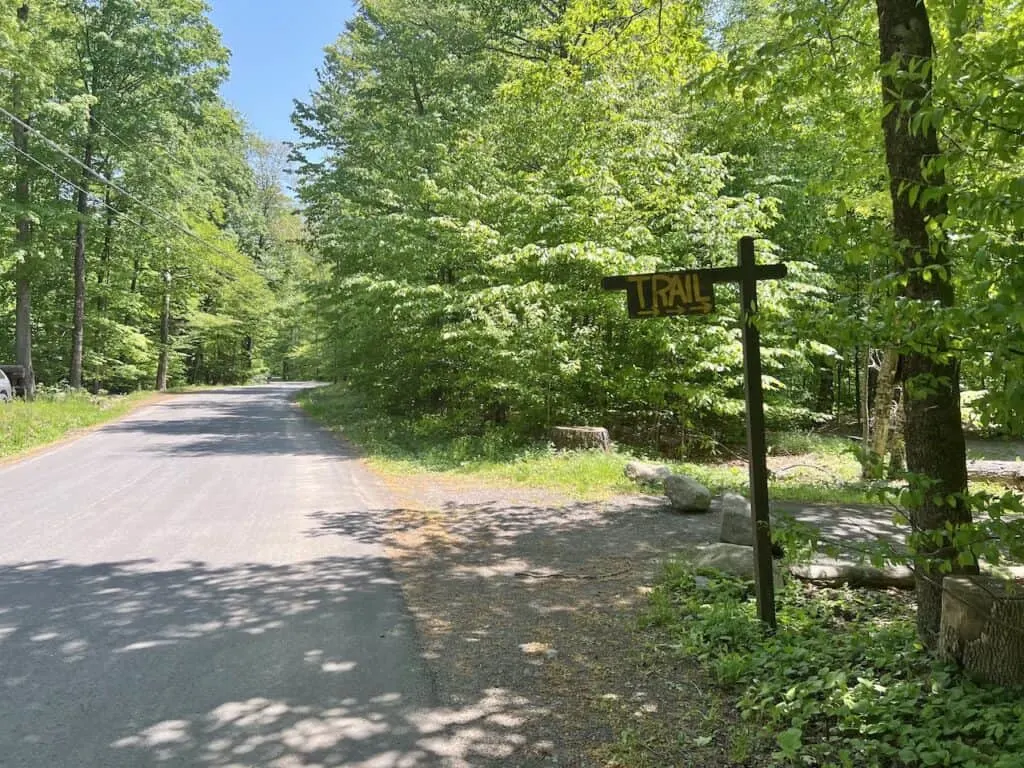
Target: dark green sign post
666 294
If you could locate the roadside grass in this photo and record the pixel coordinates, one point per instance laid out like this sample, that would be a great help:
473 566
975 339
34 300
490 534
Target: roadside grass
52 417
806 468
843 681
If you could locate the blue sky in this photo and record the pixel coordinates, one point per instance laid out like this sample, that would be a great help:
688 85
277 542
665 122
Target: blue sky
275 50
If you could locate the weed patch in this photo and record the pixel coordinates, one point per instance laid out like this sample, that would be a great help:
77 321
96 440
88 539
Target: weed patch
843 682
53 416
399 446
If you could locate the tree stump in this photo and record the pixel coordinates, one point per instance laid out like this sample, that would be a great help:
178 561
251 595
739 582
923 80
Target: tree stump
581 439
983 627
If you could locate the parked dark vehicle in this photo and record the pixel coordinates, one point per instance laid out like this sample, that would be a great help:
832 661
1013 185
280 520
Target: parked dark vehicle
12 382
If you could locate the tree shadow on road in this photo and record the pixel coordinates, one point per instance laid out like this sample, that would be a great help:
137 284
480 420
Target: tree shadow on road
241 427
533 599
131 664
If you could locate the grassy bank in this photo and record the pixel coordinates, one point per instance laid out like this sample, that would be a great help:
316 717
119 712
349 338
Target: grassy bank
806 468
843 682
52 417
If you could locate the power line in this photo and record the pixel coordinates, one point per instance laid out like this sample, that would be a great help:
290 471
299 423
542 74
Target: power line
74 186
120 214
99 201
104 180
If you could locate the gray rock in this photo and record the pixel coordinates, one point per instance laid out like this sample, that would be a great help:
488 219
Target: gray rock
686 494
733 559
737 525
647 473
834 573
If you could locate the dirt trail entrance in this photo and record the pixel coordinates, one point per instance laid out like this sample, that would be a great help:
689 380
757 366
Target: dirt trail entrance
530 598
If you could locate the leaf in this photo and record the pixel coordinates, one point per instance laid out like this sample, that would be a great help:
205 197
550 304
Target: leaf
790 741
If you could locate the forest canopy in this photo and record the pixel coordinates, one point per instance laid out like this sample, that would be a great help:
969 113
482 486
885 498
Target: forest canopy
147 237
474 168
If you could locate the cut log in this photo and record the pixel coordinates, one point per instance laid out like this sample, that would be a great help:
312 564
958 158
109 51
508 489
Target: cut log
581 439
646 473
1009 473
834 572
983 627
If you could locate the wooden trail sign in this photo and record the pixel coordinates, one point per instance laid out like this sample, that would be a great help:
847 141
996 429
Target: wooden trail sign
663 294
666 293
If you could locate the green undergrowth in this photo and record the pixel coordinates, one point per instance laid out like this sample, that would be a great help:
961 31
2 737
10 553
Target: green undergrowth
53 416
843 682
402 447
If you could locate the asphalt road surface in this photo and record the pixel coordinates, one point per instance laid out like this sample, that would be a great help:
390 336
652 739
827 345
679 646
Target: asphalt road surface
203 584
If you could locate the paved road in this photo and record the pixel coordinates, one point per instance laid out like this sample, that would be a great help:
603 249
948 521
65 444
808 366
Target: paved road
203 584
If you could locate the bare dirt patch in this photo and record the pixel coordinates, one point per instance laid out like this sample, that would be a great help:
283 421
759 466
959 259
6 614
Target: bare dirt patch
535 595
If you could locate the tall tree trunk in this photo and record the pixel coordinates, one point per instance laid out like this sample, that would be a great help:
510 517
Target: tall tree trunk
23 236
857 397
78 326
863 397
934 433
882 415
165 337
897 445
108 238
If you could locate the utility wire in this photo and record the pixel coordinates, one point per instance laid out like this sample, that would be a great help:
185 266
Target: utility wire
104 180
73 185
100 201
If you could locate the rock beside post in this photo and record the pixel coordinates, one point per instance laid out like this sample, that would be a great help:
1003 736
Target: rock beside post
687 495
734 560
646 473
737 522
581 439
982 627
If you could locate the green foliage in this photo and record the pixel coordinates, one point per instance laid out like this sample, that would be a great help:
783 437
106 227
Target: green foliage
56 414
842 682
467 236
415 444
196 210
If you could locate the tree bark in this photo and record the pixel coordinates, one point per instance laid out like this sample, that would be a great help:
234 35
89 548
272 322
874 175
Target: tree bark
863 398
108 237
882 408
78 325
23 235
897 443
934 433
165 337
983 628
